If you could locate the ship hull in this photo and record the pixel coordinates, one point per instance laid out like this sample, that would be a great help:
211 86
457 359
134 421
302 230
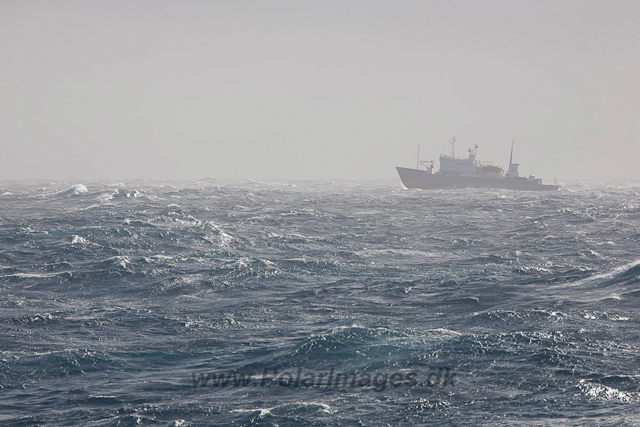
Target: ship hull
416 178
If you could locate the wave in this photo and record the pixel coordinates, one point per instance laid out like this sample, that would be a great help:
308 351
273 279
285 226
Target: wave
74 190
55 364
138 223
600 391
120 194
624 276
286 409
38 275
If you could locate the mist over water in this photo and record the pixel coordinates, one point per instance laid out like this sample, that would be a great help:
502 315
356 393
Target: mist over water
115 298
316 90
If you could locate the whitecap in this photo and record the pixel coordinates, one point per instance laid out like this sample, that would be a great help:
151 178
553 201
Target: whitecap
34 275
74 190
119 260
263 411
77 240
599 391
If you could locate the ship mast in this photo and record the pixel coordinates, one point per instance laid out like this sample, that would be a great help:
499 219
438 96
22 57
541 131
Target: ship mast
513 141
453 147
418 161
513 167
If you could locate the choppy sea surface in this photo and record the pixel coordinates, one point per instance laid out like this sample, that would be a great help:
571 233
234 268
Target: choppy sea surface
337 303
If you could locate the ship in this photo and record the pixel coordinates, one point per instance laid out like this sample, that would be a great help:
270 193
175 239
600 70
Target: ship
462 173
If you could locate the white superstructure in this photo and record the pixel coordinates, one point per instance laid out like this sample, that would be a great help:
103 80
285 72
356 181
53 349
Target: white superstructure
469 167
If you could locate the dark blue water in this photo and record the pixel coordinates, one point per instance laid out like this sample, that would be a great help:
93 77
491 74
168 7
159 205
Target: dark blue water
122 304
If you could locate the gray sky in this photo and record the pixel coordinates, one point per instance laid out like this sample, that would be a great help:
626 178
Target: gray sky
316 90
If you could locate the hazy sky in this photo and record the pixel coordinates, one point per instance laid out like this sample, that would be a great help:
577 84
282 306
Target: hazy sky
316 89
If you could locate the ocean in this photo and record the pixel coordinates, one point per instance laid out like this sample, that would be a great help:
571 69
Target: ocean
302 303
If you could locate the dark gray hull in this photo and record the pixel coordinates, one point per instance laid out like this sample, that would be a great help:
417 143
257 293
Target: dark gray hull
415 178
